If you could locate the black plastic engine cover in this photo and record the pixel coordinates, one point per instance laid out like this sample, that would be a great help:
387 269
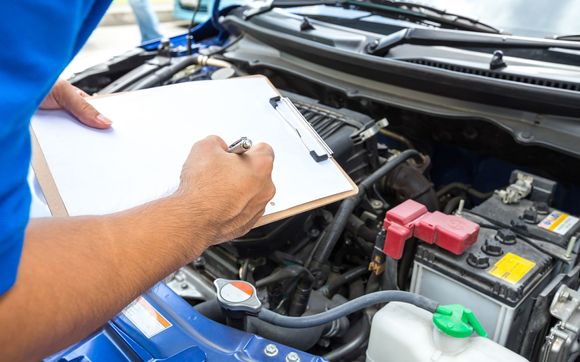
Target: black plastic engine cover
338 127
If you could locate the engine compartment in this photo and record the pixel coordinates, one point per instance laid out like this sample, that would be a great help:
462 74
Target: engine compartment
321 259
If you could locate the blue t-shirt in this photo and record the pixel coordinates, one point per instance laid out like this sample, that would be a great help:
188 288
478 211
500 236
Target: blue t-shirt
39 38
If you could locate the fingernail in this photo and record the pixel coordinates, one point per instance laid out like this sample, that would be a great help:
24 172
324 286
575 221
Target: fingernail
104 120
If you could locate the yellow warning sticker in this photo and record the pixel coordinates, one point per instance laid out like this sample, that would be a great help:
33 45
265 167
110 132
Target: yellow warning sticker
511 268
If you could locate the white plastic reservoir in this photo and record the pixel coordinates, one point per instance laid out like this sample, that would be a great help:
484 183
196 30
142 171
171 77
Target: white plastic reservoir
401 332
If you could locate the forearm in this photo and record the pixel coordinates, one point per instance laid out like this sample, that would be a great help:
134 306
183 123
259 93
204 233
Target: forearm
76 273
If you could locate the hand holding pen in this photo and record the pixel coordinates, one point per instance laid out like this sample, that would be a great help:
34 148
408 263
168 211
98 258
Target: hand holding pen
240 146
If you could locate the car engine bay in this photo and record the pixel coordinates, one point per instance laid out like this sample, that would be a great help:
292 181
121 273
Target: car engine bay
510 256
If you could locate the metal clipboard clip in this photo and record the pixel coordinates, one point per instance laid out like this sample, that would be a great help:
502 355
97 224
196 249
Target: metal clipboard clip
315 145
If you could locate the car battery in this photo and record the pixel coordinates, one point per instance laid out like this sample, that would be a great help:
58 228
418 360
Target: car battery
534 219
531 216
497 277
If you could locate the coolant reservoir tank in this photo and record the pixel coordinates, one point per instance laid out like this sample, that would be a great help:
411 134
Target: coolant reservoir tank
401 332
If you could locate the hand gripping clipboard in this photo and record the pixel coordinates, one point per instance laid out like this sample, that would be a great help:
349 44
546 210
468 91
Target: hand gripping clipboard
312 142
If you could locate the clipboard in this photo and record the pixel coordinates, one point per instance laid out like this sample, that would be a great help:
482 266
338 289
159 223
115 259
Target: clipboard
57 206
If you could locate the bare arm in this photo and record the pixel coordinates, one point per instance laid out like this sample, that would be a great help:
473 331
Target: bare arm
76 273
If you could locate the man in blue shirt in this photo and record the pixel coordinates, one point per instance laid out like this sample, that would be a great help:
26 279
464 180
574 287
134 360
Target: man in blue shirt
61 278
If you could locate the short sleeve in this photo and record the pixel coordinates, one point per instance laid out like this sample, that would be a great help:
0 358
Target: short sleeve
14 202
39 38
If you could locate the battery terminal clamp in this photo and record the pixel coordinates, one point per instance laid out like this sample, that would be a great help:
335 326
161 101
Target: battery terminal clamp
237 296
412 219
457 321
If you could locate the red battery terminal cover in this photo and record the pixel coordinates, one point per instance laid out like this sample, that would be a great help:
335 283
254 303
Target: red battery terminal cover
410 218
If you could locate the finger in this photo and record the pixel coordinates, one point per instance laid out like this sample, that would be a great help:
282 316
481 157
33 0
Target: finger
217 141
262 148
262 160
82 93
70 99
271 191
49 102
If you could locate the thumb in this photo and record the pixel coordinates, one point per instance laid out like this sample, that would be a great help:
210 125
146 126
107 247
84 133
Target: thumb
71 100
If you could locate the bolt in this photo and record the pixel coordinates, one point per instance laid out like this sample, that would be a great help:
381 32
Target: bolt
525 135
460 207
184 286
374 44
292 357
179 277
376 204
314 233
564 296
199 263
271 350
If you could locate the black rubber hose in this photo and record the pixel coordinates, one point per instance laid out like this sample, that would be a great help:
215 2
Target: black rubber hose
404 265
301 294
409 182
367 233
211 309
288 272
346 349
452 204
358 228
390 275
330 287
348 308
303 339
346 208
373 284
464 187
164 73
300 297
356 289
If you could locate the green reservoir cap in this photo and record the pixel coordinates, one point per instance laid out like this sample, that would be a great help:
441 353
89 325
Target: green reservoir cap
457 321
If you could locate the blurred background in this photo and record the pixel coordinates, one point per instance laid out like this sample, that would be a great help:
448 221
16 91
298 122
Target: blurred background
120 31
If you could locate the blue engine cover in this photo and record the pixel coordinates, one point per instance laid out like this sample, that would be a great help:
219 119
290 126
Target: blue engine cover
164 327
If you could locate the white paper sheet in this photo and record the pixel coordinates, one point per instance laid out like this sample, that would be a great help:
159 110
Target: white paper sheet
140 158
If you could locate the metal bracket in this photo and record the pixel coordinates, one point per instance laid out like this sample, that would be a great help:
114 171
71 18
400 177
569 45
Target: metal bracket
562 340
518 190
364 135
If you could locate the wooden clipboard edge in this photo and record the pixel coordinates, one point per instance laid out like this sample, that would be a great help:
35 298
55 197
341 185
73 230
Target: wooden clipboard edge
270 218
45 179
57 207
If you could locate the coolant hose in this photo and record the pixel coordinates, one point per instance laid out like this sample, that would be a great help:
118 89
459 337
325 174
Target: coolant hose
361 337
348 308
331 237
330 287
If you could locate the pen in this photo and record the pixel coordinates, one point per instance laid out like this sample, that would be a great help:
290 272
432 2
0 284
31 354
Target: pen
240 146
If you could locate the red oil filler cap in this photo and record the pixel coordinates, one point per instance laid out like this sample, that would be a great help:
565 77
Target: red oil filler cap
450 232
